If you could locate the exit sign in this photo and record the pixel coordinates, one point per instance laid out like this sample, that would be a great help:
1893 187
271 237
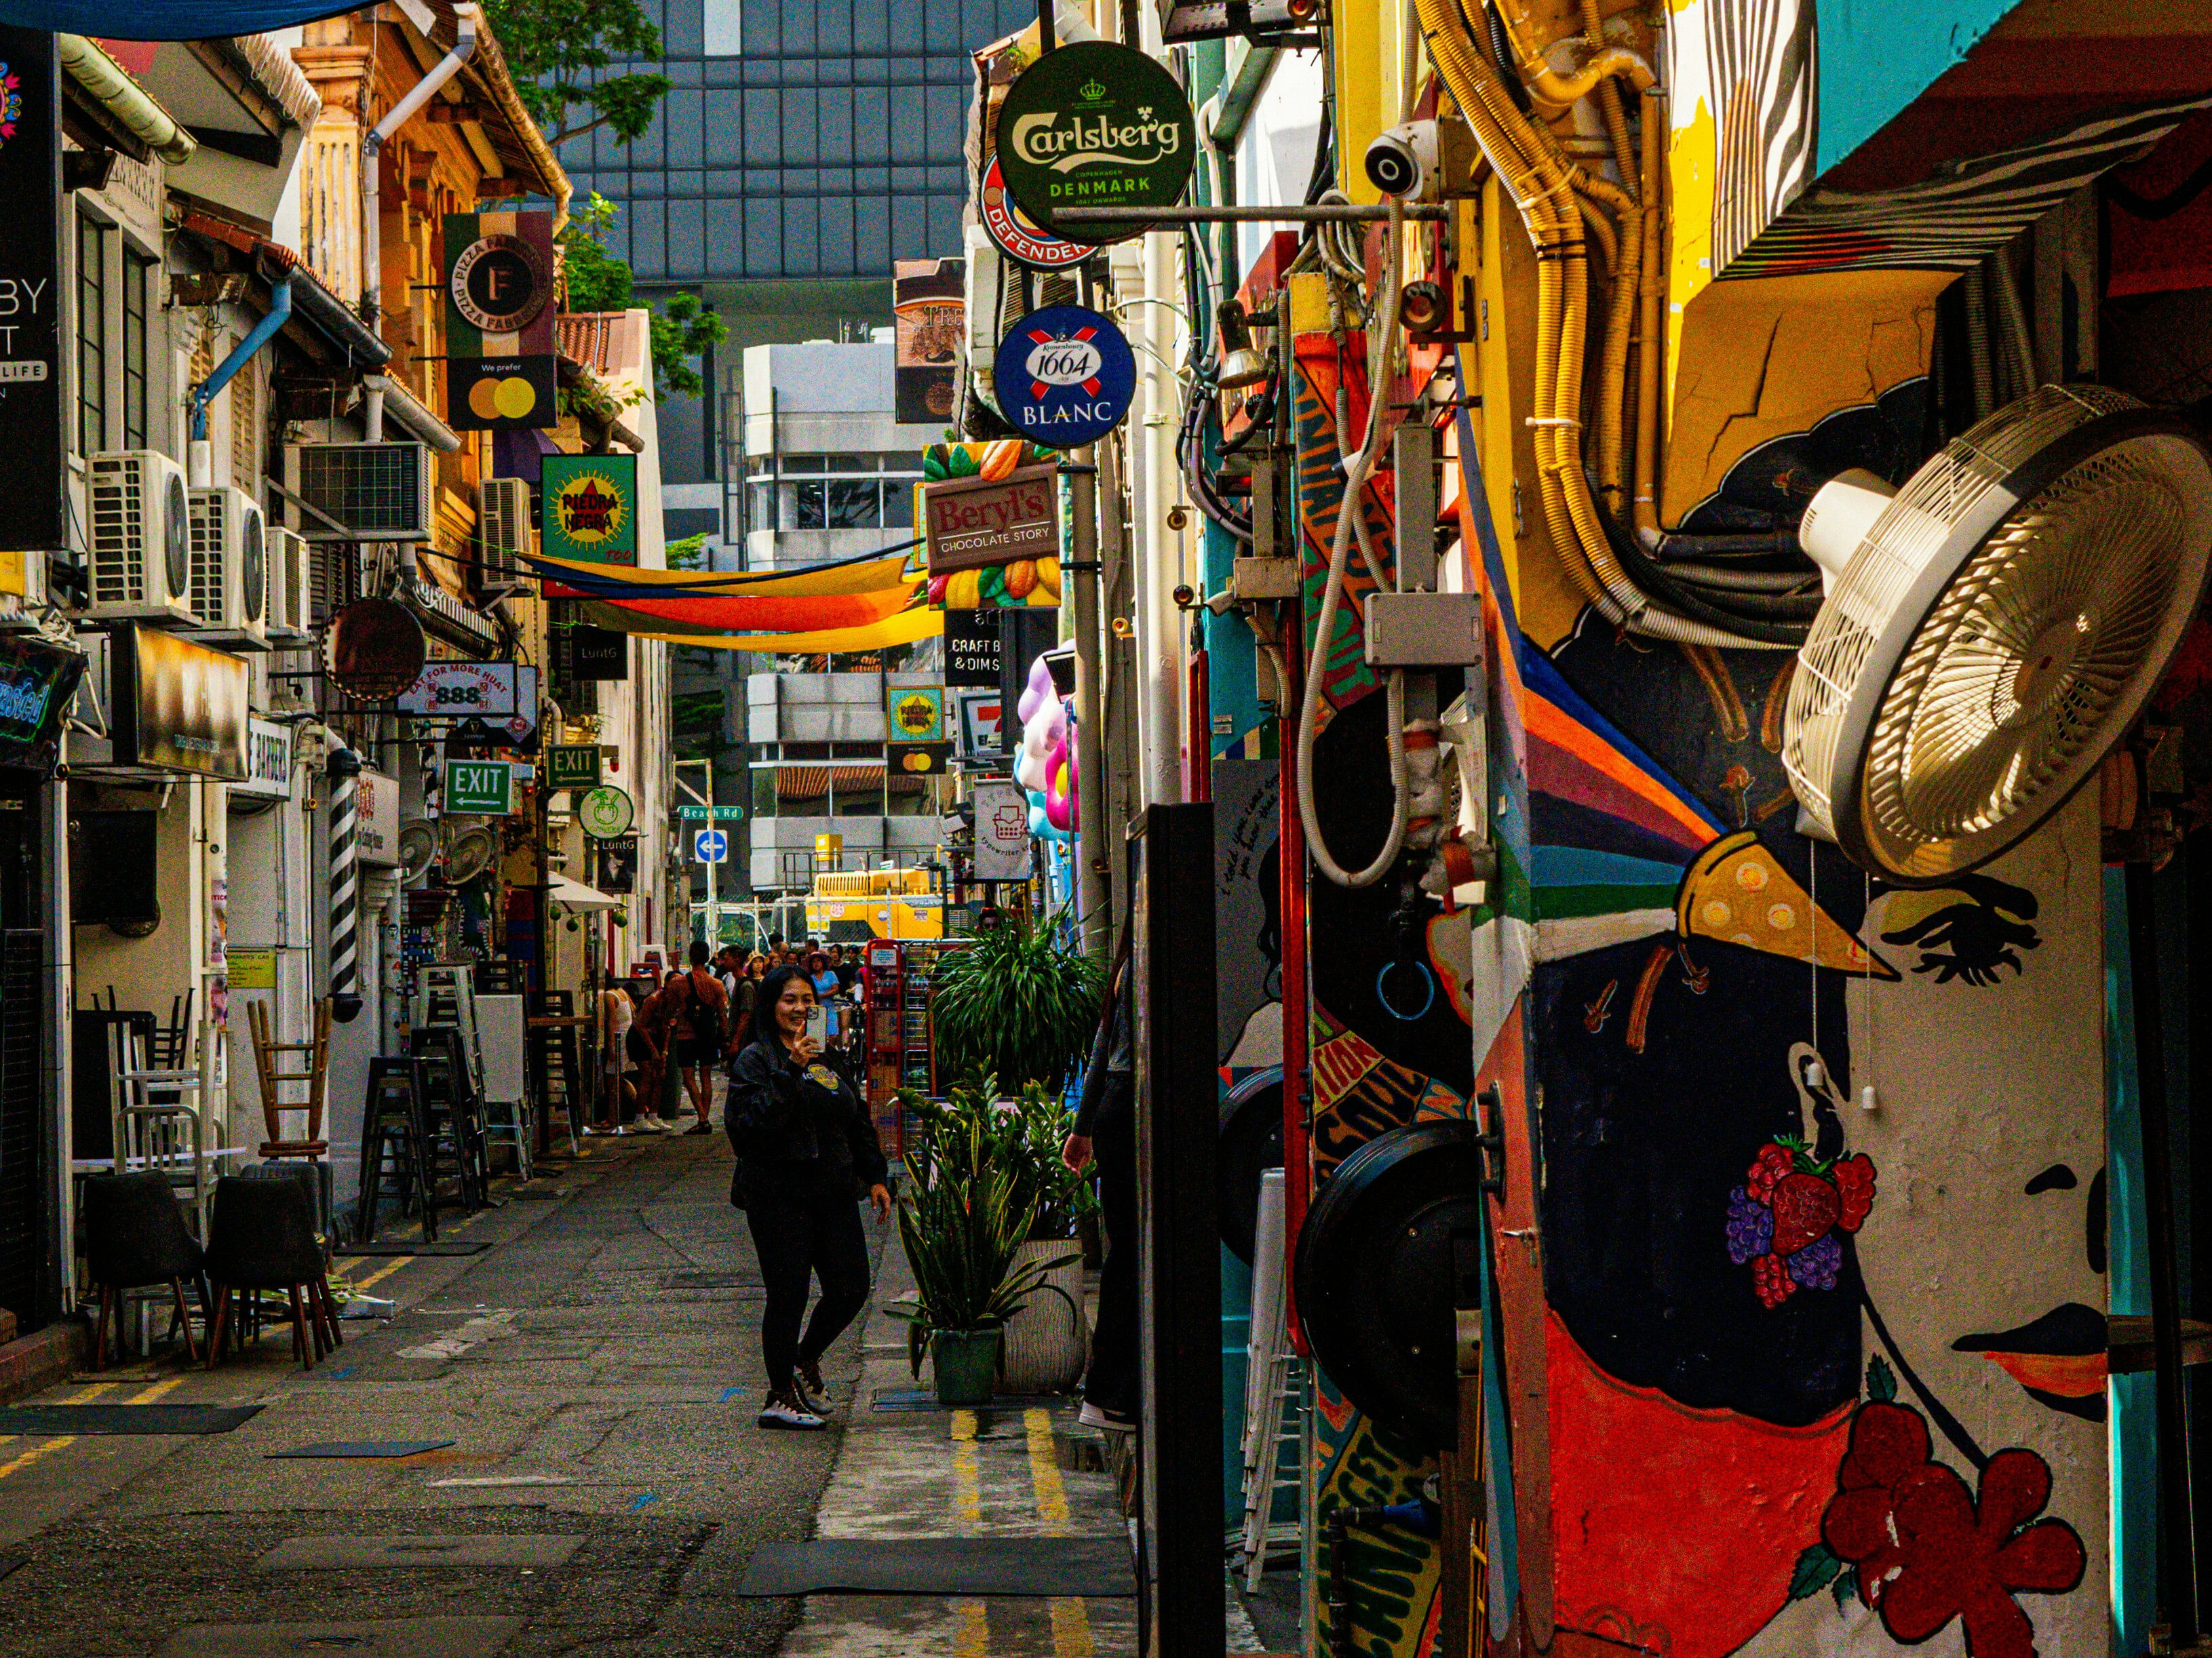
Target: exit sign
572 766
482 787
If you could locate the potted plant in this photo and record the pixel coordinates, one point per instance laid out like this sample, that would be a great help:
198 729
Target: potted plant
964 1213
1048 1341
1013 1004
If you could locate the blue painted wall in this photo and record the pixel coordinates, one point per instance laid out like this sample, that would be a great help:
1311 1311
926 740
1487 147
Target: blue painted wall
1877 56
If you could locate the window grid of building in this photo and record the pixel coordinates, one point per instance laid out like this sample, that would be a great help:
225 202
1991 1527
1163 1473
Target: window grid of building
137 284
92 239
830 147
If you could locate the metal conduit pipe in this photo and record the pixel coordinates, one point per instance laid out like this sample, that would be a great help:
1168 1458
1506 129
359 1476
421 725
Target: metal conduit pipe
1546 85
91 68
199 462
371 186
1540 178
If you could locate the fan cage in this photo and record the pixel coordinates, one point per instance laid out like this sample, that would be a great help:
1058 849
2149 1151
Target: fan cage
1931 571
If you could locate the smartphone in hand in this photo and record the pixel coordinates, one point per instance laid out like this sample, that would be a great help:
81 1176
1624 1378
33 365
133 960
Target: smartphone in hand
818 1025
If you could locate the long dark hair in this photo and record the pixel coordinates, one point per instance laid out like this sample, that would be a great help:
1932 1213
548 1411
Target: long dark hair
771 992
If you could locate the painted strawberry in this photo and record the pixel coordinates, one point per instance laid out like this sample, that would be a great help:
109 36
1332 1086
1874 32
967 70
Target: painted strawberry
1854 1178
1805 1209
1768 1169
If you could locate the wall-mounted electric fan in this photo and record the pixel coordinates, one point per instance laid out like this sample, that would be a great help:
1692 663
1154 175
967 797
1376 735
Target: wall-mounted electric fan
468 854
1990 630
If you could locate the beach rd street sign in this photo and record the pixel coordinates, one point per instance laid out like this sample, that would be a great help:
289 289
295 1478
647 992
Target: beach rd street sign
711 814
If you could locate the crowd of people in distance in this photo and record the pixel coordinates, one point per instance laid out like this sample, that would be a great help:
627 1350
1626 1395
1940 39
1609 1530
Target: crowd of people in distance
660 1045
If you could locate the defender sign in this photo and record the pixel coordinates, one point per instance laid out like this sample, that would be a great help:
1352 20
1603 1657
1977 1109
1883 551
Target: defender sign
1065 376
1095 124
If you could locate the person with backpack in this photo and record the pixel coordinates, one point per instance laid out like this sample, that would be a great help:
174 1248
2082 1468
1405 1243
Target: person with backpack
807 1152
688 1021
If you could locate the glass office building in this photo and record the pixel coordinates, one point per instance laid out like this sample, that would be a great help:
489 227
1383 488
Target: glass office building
806 145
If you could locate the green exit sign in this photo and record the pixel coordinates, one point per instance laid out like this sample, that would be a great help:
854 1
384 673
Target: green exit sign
572 766
482 787
710 814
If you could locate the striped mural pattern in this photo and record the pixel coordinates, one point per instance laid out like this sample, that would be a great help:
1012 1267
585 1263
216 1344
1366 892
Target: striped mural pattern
1955 220
1759 72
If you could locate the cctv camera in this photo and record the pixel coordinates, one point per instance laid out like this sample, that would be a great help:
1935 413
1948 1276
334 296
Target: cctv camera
1404 161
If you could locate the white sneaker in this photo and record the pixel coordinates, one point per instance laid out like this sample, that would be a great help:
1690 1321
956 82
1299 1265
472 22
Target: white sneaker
813 1392
653 1125
788 1413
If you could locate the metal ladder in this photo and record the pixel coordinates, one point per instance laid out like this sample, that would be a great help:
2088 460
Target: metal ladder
1274 1392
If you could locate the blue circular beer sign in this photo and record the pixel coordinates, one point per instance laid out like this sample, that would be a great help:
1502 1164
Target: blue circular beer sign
1065 376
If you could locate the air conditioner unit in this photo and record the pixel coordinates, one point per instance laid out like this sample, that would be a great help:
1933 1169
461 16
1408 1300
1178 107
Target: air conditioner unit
229 567
364 491
502 530
289 585
140 539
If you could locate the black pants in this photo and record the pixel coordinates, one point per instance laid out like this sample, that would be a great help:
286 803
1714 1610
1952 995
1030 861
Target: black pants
1111 1382
797 1238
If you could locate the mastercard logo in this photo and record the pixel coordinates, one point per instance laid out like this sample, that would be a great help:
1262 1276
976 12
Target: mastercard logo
510 397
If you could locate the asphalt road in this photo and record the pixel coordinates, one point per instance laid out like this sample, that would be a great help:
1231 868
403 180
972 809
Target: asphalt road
598 1368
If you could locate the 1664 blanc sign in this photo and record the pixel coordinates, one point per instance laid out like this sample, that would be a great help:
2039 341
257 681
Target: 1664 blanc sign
1065 376
1095 124
972 523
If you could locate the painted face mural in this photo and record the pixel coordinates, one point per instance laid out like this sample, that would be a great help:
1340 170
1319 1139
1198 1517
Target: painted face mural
1850 1363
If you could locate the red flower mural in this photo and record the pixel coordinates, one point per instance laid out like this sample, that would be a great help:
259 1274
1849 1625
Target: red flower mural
1924 1550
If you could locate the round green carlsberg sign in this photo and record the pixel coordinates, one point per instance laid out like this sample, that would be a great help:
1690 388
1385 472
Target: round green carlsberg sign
1095 124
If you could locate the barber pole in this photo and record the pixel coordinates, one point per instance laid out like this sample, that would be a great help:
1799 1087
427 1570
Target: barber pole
345 916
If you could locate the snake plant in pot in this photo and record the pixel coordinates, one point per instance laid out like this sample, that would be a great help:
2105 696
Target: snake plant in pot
965 1212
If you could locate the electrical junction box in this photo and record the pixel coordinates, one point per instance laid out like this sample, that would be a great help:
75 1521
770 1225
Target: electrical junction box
1423 630
1251 578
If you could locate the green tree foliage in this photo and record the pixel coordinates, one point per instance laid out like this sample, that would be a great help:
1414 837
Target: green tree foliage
683 328
555 48
688 553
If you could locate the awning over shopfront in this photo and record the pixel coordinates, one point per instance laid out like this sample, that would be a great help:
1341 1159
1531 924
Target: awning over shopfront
575 895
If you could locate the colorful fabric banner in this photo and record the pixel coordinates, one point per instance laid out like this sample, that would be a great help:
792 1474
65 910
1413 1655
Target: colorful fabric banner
904 629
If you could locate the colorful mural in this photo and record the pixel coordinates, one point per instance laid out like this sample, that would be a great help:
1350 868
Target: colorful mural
1741 1310
1389 1036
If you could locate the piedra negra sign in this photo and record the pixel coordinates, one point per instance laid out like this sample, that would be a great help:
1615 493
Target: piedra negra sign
1095 125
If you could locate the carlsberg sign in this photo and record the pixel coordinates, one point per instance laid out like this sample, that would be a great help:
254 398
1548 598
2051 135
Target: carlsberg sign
1095 125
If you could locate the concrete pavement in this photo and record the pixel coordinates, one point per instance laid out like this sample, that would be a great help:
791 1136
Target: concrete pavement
598 1368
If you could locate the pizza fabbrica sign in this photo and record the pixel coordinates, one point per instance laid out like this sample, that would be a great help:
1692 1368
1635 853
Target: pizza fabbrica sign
1095 124
1065 376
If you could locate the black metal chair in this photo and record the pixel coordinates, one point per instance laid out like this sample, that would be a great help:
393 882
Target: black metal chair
263 1238
135 1235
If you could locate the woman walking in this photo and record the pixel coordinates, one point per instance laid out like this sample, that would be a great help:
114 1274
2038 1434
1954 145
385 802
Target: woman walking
806 1153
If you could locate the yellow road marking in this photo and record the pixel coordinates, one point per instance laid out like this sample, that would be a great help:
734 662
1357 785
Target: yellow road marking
1071 1619
966 1494
381 1272
158 1389
971 1635
24 1461
1044 1473
1071 1629
82 1396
